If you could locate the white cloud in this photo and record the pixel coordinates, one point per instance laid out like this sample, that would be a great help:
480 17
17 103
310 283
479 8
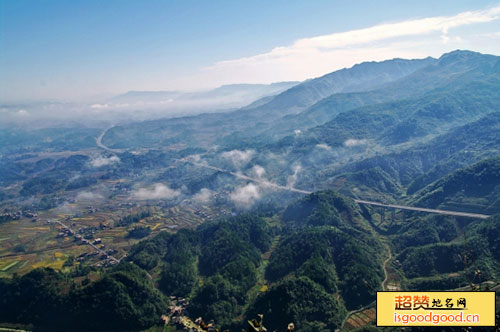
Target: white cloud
159 191
67 208
392 30
323 146
99 106
374 34
489 35
355 142
237 157
314 56
246 195
194 158
445 38
257 171
204 196
292 179
22 113
88 196
104 161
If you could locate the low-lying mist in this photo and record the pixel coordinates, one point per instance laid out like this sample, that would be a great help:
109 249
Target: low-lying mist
136 106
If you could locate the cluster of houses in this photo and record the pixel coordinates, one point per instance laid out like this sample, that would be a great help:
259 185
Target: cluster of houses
208 217
8 216
202 214
177 308
91 209
128 204
84 236
81 237
106 262
85 233
103 256
179 316
87 255
64 232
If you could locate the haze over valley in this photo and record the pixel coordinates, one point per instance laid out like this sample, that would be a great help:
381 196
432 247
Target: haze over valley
166 208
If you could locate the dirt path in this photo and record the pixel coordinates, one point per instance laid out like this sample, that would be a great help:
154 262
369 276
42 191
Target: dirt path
382 285
386 273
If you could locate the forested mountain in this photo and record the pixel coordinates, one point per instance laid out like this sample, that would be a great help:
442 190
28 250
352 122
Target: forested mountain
254 211
121 299
363 77
449 98
450 72
226 255
440 253
325 250
474 188
413 168
197 129
399 83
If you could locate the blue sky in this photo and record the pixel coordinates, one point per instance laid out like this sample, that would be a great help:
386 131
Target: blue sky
82 49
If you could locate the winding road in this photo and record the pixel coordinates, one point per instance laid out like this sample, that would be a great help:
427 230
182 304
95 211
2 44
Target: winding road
393 206
269 184
276 186
382 285
359 201
245 177
389 252
102 146
301 191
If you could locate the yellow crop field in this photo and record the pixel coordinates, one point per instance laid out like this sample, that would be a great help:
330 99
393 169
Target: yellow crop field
56 265
4 266
155 226
59 255
43 229
40 264
122 233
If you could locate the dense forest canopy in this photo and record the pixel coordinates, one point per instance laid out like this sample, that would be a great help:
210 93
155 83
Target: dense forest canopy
259 210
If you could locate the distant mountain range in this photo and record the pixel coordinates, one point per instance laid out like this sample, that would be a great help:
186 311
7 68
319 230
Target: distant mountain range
298 247
137 106
421 120
221 98
362 77
262 113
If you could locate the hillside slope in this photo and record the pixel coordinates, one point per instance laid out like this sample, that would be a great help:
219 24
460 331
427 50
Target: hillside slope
474 188
206 128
